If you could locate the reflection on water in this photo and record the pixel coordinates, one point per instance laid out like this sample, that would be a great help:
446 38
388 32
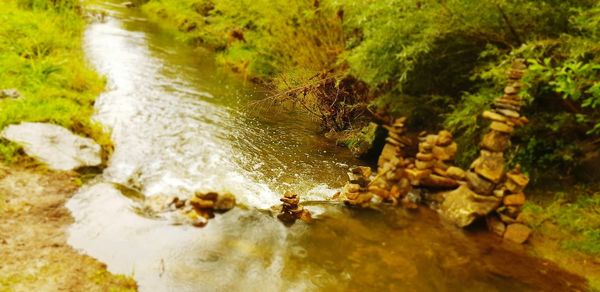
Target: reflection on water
180 125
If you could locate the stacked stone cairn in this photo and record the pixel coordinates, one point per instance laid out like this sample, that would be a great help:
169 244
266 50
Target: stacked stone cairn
487 185
291 210
202 206
356 192
430 168
391 182
394 143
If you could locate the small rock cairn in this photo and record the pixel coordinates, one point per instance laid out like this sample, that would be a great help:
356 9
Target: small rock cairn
203 206
356 192
430 169
291 210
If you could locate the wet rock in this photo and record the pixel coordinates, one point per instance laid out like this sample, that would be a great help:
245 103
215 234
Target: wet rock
54 145
495 141
478 184
517 232
462 206
9 93
490 165
291 210
225 202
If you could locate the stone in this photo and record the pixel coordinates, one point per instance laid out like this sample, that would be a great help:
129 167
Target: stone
445 153
436 181
511 101
364 171
423 164
514 200
493 116
425 156
495 141
516 181
351 188
499 104
425 147
516 74
517 232
462 206
431 139
508 113
444 138
455 173
479 184
54 145
415 175
501 127
225 202
495 225
511 90
9 93
379 191
490 165
199 203
388 152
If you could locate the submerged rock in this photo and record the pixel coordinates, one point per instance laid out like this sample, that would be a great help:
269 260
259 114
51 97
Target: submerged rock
54 145
462 206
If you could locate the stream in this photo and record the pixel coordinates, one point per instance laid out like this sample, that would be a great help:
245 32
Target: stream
181 125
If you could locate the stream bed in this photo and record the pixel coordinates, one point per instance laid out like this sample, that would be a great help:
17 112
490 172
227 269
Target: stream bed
182 125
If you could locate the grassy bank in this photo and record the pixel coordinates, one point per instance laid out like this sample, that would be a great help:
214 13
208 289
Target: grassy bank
41 57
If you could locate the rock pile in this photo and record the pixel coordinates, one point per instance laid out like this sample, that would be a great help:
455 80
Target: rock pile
487 183
430 168
356 192
203 206
291 210
506 221
395 142
391 183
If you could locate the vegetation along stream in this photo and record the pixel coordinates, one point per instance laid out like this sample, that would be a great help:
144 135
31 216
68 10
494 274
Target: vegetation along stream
179 125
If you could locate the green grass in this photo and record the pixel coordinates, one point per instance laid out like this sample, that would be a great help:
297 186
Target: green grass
41 56
578 217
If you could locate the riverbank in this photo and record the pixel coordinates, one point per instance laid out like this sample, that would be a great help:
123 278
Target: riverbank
43 67
33 226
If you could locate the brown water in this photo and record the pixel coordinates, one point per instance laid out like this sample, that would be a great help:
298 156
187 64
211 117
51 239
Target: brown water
181 125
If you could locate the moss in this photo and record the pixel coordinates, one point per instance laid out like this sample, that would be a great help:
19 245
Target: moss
41 57
362 140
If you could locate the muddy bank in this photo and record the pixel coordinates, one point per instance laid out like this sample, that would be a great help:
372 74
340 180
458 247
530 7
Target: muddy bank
33 248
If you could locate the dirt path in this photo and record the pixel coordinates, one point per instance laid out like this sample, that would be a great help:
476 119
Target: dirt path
33 250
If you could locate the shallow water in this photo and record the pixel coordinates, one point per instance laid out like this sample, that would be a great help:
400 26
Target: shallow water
181 125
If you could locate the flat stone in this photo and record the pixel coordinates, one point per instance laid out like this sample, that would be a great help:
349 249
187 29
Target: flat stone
508 113
489 115
490 165
423 164
503 105
511 90
388 152
425 156
9 93
462 206
436 181
495 141
455 172
415 175
514 200
445 153
517 232
425 147
478 184
502 127
54 145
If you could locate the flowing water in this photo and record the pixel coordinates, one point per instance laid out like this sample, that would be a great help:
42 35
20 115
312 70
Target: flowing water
181 125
